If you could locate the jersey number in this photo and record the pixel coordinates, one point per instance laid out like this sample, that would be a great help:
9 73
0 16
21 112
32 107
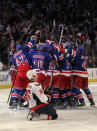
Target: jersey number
38 63
21 59
28 91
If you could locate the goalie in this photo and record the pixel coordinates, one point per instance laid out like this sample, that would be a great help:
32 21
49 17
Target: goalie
38 101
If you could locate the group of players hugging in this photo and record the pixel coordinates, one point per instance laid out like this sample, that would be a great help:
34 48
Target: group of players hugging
48 76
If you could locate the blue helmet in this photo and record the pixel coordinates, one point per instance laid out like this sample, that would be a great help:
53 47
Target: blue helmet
81 49
49 47
41 47
19 47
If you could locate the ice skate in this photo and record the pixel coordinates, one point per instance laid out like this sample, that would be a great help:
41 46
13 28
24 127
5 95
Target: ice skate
92 103
31 115
82 104
64 105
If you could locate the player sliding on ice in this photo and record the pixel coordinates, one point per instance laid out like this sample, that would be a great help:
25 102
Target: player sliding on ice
38 101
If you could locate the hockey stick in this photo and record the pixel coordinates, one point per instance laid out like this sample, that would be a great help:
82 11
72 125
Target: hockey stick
60 39
12 87
28 36
51 79
25 32
7 76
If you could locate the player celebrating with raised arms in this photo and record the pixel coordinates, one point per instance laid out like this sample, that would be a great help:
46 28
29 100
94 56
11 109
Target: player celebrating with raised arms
21 60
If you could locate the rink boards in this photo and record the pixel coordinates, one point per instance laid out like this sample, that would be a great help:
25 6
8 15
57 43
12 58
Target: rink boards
5 81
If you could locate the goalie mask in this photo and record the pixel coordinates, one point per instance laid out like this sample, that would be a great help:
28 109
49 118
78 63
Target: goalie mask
31 74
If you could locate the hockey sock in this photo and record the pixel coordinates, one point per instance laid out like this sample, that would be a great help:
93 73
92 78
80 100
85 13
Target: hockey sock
63 95
89 96
68 92
78 94
55 95
88 93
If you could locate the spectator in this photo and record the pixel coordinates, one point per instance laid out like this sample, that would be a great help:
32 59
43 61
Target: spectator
1 65
15 18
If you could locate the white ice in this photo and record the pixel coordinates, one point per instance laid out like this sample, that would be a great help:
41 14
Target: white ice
84 119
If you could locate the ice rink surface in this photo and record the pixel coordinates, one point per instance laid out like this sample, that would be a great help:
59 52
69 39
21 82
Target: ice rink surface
83 119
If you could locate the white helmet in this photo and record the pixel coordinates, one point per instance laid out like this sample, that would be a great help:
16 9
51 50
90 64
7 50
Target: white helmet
30 74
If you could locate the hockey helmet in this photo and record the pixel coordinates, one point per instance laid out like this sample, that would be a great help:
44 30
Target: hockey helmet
75 47
41 47
48 47
81 49
19 47
30 74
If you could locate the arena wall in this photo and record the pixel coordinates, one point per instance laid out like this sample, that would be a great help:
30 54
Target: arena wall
5 81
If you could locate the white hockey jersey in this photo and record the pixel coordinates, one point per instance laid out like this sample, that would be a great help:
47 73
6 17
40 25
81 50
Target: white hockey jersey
35 88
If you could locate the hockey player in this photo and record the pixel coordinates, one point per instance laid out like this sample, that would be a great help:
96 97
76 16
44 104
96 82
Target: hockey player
69 57
23 63
53 74
38 101
40 60
59 81
80 74
65 76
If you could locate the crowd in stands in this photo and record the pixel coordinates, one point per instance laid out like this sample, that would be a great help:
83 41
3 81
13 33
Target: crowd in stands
79 18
